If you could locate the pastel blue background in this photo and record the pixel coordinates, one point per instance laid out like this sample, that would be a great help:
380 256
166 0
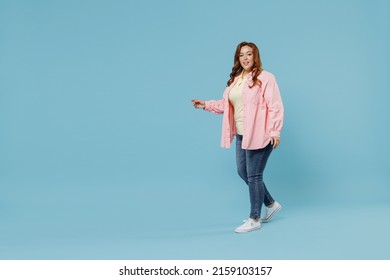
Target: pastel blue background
102 155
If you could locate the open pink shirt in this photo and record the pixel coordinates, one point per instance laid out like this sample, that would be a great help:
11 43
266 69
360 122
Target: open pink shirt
263 113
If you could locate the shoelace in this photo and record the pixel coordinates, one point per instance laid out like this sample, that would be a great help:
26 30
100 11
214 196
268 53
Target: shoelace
248 221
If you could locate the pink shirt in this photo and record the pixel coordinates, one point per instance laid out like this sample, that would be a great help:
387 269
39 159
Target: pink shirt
263 113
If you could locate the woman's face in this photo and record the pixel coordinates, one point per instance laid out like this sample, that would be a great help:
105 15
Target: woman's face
246 58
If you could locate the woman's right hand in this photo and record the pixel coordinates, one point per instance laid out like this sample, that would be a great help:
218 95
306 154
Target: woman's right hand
198 104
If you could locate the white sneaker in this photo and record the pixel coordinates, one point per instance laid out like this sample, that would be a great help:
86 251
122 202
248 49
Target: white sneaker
249 225
270 212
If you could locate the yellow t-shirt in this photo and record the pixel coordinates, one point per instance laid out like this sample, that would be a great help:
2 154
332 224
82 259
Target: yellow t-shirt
235 97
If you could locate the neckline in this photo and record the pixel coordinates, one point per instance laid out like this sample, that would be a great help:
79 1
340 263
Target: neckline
244 76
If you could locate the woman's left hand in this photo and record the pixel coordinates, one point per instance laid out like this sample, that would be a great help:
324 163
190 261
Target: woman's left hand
275 141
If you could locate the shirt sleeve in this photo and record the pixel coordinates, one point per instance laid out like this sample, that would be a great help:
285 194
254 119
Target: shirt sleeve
275 107
215 106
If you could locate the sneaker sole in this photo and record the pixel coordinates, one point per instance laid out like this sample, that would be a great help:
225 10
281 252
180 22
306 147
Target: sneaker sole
272 214
249 230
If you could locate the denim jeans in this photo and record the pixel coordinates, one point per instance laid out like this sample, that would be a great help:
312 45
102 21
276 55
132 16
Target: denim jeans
250 167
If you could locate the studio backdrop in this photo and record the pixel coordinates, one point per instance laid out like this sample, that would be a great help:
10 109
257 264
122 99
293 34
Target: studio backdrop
102 155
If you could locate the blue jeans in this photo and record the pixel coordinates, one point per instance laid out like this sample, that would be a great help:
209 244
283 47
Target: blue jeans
250 167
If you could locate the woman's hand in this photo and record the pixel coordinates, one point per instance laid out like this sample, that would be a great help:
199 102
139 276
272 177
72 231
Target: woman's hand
198 104
275 141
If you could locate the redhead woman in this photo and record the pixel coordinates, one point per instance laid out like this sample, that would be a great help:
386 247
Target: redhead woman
253 113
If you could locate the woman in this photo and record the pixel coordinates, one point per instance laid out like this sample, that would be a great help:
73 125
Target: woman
252 111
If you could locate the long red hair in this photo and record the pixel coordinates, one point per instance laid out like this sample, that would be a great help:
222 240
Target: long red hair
237 68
